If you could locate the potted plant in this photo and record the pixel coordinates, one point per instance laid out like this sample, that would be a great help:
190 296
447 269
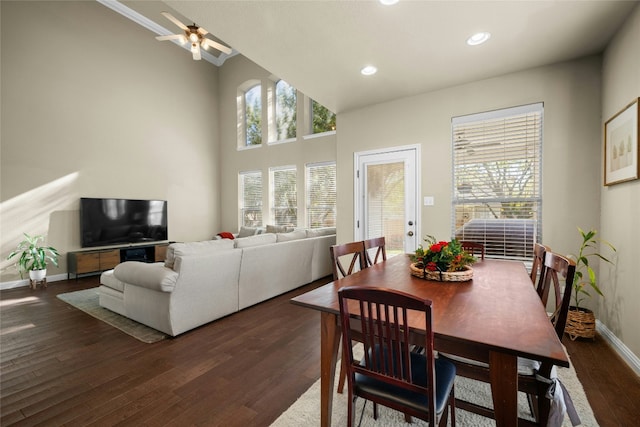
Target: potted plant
33 257
581 321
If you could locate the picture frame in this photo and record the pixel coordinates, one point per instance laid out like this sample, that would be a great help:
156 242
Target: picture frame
621 154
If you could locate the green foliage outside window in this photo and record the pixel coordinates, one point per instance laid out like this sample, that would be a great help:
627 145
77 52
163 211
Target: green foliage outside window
323 119
253 118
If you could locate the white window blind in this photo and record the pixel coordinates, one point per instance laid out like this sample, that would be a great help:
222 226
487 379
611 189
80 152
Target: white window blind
321 195
497 180
284 199
251 198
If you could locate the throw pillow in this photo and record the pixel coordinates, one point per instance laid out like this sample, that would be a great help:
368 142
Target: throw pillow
247 231
226 235
277 229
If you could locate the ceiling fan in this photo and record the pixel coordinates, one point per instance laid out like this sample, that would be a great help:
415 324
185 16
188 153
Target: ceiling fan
195 36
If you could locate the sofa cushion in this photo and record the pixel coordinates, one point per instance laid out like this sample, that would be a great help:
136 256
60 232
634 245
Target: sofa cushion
317 232
247 231
292 235
279 228
257 240
151 276
109 280
195 248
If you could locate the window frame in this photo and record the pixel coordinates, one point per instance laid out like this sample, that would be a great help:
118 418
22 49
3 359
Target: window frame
272 194
242 199
272 101
309 191
519 146
241 115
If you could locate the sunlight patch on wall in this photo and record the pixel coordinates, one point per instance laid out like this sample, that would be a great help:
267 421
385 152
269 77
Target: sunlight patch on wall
30 213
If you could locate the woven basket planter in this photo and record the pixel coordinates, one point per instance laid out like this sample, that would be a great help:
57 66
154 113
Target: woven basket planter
581 323
446 276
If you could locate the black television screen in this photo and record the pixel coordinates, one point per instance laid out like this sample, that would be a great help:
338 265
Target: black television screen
116 221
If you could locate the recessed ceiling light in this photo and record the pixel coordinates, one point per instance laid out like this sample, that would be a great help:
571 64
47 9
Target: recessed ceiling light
478 38
369 70
389 2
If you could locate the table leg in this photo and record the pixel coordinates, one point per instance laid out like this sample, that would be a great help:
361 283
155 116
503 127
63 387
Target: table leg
329 340
503 370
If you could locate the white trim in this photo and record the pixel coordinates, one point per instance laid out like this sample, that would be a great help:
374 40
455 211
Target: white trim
500 113
319 134
25 282
282 141
619 347
155 28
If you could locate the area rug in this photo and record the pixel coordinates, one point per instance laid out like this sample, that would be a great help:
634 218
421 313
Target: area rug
306 410
87 301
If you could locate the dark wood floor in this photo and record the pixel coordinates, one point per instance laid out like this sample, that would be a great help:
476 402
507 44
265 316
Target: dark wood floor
60 366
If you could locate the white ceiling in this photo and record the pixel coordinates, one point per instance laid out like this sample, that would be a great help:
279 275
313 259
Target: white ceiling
319 46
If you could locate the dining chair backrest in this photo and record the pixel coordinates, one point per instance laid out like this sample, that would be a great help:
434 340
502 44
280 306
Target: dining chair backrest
473 248
377 243
538 267
558 274
379 318
357 258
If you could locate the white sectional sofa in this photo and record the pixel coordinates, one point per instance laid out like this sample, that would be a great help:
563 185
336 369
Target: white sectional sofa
203 281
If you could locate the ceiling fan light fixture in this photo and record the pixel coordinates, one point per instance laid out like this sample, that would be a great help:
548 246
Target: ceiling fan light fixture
478 38
389 2
193 38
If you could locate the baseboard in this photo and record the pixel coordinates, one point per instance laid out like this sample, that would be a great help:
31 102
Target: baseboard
25 282
623 351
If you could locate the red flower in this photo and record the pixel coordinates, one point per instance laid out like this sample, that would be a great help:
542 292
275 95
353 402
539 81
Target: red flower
443 244
431 266
436 247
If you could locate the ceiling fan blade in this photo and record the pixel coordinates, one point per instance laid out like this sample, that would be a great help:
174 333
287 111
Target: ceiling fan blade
216 45
173 19
202 31
195 49
180 37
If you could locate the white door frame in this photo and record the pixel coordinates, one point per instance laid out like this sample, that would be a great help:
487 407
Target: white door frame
358 200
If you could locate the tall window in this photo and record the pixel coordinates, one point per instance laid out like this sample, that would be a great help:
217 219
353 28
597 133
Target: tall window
251 198
497 180
284 199
322 119
253 115
285 103
321 195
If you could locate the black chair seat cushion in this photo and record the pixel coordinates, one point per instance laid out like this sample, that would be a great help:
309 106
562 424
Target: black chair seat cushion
445 374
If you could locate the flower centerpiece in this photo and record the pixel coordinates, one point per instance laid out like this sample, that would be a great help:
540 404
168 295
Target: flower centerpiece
444 261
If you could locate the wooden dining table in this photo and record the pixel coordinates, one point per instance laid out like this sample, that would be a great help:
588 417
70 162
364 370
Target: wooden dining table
496 317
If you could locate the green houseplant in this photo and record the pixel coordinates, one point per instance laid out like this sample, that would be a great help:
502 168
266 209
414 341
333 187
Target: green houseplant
33 257
581 321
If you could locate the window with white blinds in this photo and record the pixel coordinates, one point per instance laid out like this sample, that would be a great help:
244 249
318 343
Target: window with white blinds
284 199
251 198
321 195
497 183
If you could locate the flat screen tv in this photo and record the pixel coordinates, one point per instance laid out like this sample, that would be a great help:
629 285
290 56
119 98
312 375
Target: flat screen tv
106 222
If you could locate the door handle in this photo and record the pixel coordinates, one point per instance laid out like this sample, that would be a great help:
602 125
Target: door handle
410 234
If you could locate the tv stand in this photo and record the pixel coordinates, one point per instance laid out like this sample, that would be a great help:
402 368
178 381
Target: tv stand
95 261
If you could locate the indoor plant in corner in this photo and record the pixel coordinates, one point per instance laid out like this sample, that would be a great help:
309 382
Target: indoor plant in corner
581 322
33 257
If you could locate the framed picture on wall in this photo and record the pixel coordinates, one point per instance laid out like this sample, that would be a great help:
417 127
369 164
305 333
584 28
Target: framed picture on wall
621 156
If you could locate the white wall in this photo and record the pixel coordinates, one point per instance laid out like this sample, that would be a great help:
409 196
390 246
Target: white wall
620 203
571 95
92 105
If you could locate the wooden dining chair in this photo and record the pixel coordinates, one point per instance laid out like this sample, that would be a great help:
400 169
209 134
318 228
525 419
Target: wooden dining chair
538 267
558 275
377 243
389 373
357 257
473 248
356 252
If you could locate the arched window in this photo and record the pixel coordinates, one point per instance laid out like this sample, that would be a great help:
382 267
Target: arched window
253 115
285 111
